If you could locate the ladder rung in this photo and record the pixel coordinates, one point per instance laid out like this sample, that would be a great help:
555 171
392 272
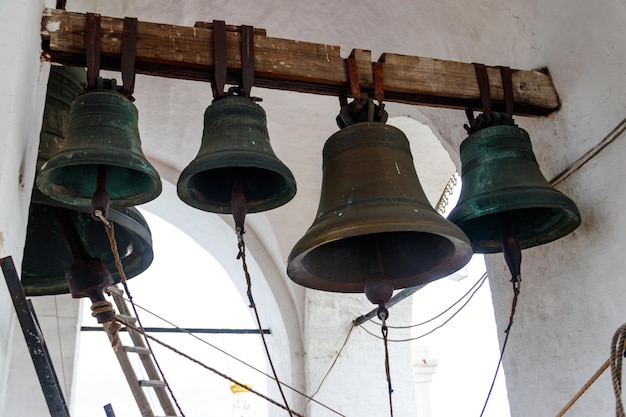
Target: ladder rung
154 383
126 318
115 290
137 349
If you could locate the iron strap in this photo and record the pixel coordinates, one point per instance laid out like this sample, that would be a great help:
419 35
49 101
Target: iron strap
507 87
93 47
379 86
129 53
483 86
353 77
219 59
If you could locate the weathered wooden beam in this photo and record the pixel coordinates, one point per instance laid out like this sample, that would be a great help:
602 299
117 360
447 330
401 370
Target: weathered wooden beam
186 53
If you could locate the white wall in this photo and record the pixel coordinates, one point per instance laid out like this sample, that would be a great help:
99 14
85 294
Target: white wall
21 107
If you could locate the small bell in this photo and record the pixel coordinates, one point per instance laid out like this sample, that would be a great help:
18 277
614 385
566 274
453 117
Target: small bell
502 183
235 153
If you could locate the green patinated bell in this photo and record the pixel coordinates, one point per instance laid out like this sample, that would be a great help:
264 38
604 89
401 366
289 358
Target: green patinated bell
501 177
102 132
375 230
47 256
48 259
235 147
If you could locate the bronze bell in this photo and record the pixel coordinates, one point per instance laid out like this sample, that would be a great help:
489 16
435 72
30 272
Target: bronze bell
501 177
375 229
47 258
235 147
102 133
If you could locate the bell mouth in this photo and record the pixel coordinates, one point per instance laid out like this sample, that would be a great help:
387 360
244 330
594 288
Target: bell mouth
406 246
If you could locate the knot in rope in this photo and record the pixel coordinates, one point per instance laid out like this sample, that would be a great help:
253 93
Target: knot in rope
111 326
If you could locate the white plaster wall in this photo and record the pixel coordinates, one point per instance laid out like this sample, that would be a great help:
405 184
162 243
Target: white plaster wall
21 107
572 293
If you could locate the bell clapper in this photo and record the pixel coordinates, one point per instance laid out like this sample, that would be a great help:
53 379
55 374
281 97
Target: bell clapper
238 203
100 199
511 248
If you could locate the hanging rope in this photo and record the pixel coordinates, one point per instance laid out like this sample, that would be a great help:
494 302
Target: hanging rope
618 349
242 254
183 330
110 231
516 290
215 371
382 315
617 353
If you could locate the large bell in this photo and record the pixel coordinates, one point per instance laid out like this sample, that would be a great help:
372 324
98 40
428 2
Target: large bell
374 222
47 258
501 177
102 133
235 147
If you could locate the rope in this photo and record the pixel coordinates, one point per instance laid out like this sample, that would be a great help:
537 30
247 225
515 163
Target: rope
242 254
215 371
385 330
182 330
110 231
617 353
619 341
111 327
516 290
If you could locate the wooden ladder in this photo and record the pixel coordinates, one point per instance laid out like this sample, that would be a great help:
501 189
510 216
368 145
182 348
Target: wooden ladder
139 347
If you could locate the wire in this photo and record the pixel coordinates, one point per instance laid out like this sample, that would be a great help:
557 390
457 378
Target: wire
56 314
215 371
481 282
443 312
183 330
332 365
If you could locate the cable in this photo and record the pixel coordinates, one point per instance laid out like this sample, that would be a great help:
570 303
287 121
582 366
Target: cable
332 365
215 371
183 330
481 282
443 312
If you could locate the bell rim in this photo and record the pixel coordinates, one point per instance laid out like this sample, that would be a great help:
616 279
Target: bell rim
236 160
90 158
542 198
128 218
312 239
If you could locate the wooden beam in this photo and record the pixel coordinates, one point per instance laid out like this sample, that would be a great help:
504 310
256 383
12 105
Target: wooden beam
186 53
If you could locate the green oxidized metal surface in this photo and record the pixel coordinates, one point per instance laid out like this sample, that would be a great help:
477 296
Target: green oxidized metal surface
235 143
102 131
500 175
